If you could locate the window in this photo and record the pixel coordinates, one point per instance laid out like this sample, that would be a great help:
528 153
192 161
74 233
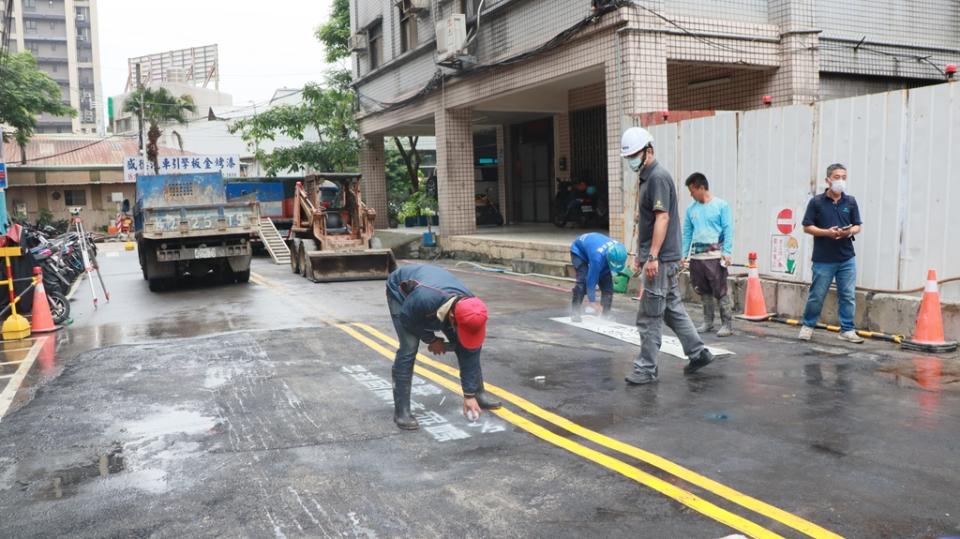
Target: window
53 25
74 197
462 6
54 68
53 47
408 27
29 5
31 26
375 44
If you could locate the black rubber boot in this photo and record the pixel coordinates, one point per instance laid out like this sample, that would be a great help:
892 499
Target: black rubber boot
726 317
576 307
401 407
606 301
487 402
708 314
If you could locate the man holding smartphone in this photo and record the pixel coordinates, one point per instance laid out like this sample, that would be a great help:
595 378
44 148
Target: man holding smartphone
833 219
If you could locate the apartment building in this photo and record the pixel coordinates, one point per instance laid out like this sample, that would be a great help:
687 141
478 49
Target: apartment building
62 35
555 83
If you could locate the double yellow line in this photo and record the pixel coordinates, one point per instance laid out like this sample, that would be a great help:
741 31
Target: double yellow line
375 340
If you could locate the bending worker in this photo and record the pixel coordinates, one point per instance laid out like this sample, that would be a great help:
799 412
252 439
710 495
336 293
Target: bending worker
422 301
659 257
596 258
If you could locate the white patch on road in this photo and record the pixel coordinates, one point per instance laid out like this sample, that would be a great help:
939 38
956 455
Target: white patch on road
173 422
628 334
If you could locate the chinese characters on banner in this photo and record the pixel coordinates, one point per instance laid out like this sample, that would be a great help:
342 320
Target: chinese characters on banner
228 164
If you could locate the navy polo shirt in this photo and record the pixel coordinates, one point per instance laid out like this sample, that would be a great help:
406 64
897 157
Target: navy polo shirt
823 212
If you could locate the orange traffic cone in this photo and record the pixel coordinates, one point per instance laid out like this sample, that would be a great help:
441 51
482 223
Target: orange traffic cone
41 319
755 307
928 334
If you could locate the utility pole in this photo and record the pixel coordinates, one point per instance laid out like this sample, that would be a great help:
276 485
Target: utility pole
143 147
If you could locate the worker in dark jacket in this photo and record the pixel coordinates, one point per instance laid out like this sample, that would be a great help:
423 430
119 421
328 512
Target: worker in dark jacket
424 300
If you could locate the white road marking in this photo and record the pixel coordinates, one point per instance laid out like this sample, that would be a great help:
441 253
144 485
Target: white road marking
9 392
668 345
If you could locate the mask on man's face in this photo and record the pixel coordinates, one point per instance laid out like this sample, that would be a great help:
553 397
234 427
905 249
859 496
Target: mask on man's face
636 163
838 186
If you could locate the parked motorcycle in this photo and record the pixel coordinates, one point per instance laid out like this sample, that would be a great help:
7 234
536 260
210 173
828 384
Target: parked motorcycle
487 212
578 203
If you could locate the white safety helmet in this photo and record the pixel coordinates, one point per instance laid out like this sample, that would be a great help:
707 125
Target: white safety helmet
634 140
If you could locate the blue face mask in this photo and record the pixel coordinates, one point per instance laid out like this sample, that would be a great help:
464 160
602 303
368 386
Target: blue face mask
636 163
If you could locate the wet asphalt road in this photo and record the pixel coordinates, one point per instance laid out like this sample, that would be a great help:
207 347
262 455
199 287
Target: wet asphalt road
263 410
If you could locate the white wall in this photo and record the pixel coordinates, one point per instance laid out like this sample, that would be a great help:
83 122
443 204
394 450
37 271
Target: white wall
901 150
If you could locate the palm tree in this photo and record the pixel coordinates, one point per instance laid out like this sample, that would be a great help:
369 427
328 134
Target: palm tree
159 106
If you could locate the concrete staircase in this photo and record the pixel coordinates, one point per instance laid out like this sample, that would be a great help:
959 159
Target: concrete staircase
274 242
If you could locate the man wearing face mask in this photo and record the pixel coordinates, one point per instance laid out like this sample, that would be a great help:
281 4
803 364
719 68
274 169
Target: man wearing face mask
659 256
833 219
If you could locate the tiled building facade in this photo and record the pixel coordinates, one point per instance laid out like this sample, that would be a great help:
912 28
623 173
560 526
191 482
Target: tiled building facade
552 77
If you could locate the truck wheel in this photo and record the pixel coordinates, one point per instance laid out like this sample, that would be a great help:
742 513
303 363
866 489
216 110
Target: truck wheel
157 285
241 276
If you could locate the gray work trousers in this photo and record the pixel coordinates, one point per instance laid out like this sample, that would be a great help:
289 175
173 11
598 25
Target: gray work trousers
661 302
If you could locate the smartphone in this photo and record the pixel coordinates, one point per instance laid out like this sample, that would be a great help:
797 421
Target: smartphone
848 227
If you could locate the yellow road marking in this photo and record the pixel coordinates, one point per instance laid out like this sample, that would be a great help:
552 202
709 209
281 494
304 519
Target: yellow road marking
10 391
686 498
263 281
739 498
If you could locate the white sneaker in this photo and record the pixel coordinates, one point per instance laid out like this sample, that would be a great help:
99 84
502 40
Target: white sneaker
850 336
806 333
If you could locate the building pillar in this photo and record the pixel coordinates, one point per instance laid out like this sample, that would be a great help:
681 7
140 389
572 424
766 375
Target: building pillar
455 185
561 167
797 80
374 186
635 82
502 171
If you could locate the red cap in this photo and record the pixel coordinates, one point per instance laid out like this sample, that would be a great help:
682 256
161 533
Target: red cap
470 315
951 69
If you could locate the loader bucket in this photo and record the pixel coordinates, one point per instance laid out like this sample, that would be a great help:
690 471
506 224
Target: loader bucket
330 266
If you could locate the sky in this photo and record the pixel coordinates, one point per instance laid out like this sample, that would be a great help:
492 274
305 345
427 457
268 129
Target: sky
263 45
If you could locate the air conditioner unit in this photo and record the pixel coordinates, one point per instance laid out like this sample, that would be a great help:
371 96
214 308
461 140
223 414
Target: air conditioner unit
451 36
358 42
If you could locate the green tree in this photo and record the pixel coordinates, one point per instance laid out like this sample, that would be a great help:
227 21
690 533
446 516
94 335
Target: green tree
159 106
324 111
335 36
25 93
335 33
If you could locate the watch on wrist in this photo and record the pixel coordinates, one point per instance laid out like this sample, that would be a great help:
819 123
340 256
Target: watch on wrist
652 258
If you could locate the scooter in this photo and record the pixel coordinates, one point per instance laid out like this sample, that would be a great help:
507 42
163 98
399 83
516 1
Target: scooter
487 212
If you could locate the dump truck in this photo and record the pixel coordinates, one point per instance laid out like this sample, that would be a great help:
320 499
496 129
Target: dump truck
185 226
331 238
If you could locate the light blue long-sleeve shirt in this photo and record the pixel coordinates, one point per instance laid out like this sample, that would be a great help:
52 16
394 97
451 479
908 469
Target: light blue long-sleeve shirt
708 227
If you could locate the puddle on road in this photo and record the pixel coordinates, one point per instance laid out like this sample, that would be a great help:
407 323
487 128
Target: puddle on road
929 373
67 482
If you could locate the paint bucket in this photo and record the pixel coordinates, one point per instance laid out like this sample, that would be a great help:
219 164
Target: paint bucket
429 239
621 282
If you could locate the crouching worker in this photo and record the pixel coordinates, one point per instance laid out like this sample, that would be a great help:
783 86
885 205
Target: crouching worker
424 300
596 258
